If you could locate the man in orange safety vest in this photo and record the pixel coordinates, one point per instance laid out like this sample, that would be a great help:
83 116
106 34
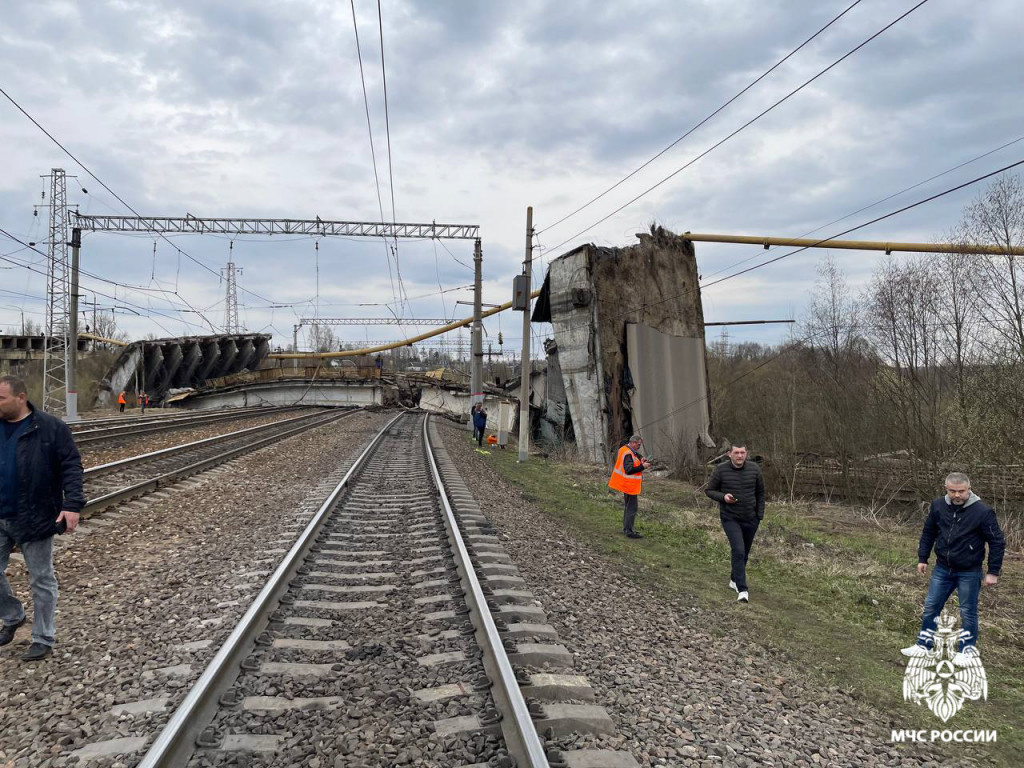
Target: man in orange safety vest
627 476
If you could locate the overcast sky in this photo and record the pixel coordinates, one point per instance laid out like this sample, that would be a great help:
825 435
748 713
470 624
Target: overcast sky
256 109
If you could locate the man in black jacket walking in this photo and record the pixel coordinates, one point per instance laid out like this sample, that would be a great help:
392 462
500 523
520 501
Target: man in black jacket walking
738 487
958 526
40 495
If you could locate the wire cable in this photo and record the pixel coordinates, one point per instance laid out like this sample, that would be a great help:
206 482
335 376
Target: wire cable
761 77
747 124
373 154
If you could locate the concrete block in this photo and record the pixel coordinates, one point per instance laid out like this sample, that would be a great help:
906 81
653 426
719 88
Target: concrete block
543 631
245 742
281 704
311 645
599 758
436 659
328 606
296 670
517 596
541 654
529 613
566 719
548 687
144 707
124 746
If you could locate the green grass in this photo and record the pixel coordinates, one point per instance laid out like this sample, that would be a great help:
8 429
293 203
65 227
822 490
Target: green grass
835 593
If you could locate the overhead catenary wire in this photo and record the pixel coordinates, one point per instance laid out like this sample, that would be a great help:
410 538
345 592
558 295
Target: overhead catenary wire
373 153
750 85
117 197
387 129
746 125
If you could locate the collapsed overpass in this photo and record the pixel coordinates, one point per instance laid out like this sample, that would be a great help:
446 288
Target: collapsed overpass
156 366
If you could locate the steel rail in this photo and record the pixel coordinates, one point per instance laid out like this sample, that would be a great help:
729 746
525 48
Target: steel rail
114 466
175 744
148 486
103 434
157 414
521 737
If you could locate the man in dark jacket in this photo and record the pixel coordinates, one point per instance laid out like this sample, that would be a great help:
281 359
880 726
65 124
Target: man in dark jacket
480 424
40 495
958 526
738 487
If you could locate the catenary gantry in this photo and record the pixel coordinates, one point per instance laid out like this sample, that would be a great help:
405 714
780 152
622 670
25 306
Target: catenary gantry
245 226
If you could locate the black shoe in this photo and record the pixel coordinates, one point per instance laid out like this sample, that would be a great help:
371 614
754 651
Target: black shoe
635 535
7 632
37 651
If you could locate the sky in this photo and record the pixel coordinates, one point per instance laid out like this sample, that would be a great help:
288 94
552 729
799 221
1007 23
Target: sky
246 109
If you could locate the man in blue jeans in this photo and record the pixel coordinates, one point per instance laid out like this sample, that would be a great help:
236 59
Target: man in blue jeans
40 496
959 525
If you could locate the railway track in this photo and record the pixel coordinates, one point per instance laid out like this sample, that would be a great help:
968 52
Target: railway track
109 484
395 631
114 429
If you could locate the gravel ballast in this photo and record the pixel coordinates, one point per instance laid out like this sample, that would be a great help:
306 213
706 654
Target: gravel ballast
678 692
149 592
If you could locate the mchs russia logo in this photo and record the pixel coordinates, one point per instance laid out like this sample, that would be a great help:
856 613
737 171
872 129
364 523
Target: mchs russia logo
943 678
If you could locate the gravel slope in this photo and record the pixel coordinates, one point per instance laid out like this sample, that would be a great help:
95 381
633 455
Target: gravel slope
679 695
176 567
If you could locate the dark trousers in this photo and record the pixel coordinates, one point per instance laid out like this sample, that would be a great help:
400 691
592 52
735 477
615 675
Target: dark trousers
629 515
121 407
741 538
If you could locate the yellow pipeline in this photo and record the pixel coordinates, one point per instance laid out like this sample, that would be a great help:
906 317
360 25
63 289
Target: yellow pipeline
859 245
94 337
395 344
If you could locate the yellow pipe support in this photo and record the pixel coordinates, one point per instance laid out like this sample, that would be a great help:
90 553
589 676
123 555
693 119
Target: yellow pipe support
94 337
859 245
396 344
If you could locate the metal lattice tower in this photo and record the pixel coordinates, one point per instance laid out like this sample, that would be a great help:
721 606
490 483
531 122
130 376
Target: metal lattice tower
58 293
230 273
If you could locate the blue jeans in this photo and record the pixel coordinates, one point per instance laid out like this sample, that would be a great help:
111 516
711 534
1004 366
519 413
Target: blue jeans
42 583
945 581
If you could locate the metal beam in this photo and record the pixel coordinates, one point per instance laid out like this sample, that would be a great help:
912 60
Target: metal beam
858 245
394 344
373 321
239 226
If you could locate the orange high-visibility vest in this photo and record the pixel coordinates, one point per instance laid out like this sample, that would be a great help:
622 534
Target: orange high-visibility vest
619 480
120 399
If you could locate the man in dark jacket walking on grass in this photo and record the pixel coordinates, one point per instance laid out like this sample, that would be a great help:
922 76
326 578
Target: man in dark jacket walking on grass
738 487
958 526
40 495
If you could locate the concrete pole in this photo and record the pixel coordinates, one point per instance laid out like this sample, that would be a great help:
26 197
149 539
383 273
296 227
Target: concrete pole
295 345
71 364
524 376
476 369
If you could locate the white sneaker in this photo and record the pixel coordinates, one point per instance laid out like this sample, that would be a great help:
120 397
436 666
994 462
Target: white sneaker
967 656
743 597
733 587
915 650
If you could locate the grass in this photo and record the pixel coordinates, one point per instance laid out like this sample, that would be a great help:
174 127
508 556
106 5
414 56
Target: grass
834 592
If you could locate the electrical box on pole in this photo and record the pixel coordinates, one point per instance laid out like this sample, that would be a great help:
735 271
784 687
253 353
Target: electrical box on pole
521 293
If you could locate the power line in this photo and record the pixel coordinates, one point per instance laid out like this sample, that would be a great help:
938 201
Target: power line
373 154
823 241
387 127
765 74
883 200
32 268
121 200
750 122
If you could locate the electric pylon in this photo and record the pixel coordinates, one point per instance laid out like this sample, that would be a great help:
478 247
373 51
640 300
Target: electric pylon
58 294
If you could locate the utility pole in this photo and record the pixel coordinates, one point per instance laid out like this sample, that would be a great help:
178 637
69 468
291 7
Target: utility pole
295 343
524 376
58 325
230 273
71 389
476 369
